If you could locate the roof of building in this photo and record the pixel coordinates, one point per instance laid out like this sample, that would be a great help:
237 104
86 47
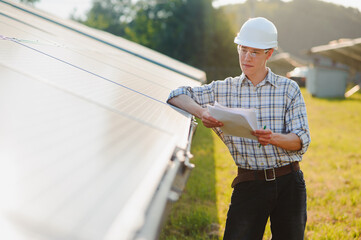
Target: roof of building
87 140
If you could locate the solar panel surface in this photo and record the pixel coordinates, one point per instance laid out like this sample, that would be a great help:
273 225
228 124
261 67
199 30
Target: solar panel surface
86 135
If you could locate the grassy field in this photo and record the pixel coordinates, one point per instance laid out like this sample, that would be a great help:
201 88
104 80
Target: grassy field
332 169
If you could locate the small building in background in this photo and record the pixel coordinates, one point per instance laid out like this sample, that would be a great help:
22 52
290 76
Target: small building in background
326 78
334 66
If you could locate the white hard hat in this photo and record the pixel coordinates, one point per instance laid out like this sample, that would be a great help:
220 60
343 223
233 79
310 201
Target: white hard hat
257 33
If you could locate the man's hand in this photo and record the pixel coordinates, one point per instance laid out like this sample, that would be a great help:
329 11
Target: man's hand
264 136
288 141
208 120
188 104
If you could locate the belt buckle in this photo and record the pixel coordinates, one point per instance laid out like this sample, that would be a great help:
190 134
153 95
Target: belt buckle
266 177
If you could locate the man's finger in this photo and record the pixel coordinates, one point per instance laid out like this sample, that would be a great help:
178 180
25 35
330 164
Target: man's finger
212 123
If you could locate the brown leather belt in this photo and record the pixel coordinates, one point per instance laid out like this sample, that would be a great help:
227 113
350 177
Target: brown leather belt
269 174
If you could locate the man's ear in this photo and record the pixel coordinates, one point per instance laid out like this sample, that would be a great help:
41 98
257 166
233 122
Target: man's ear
269 53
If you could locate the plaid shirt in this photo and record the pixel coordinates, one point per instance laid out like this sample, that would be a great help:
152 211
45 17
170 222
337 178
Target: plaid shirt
280 106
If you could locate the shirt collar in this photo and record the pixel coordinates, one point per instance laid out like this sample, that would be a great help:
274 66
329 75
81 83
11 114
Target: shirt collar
270 77
242 77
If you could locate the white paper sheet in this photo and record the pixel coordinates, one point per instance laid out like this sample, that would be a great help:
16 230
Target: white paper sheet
239 122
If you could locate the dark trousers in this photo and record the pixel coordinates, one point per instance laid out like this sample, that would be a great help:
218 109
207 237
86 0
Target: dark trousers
283 200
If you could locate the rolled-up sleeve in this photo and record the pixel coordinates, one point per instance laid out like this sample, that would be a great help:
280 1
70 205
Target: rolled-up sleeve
296 120
202 95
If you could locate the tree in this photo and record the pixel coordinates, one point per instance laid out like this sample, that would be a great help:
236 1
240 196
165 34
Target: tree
191 31
110 15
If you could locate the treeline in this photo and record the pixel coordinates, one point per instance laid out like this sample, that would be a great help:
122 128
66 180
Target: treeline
194 32
191 31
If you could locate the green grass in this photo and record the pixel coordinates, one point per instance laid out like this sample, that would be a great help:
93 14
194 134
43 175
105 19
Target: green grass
332 168
194 215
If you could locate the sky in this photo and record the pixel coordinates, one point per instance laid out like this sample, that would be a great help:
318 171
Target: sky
64 8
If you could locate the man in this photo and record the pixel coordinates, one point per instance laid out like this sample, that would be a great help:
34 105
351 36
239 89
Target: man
269 181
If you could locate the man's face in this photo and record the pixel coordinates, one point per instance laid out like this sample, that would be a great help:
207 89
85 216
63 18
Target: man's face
253 60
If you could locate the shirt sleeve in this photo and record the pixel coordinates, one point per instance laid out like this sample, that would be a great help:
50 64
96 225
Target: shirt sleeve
202 95
296 118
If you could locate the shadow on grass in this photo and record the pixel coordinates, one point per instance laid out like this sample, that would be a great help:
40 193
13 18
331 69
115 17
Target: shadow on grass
353 98
194 216
350 99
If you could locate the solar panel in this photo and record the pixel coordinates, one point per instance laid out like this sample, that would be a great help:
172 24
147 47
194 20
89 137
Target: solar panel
86 137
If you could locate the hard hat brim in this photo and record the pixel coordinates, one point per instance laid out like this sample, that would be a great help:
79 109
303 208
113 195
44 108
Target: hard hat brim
268 45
